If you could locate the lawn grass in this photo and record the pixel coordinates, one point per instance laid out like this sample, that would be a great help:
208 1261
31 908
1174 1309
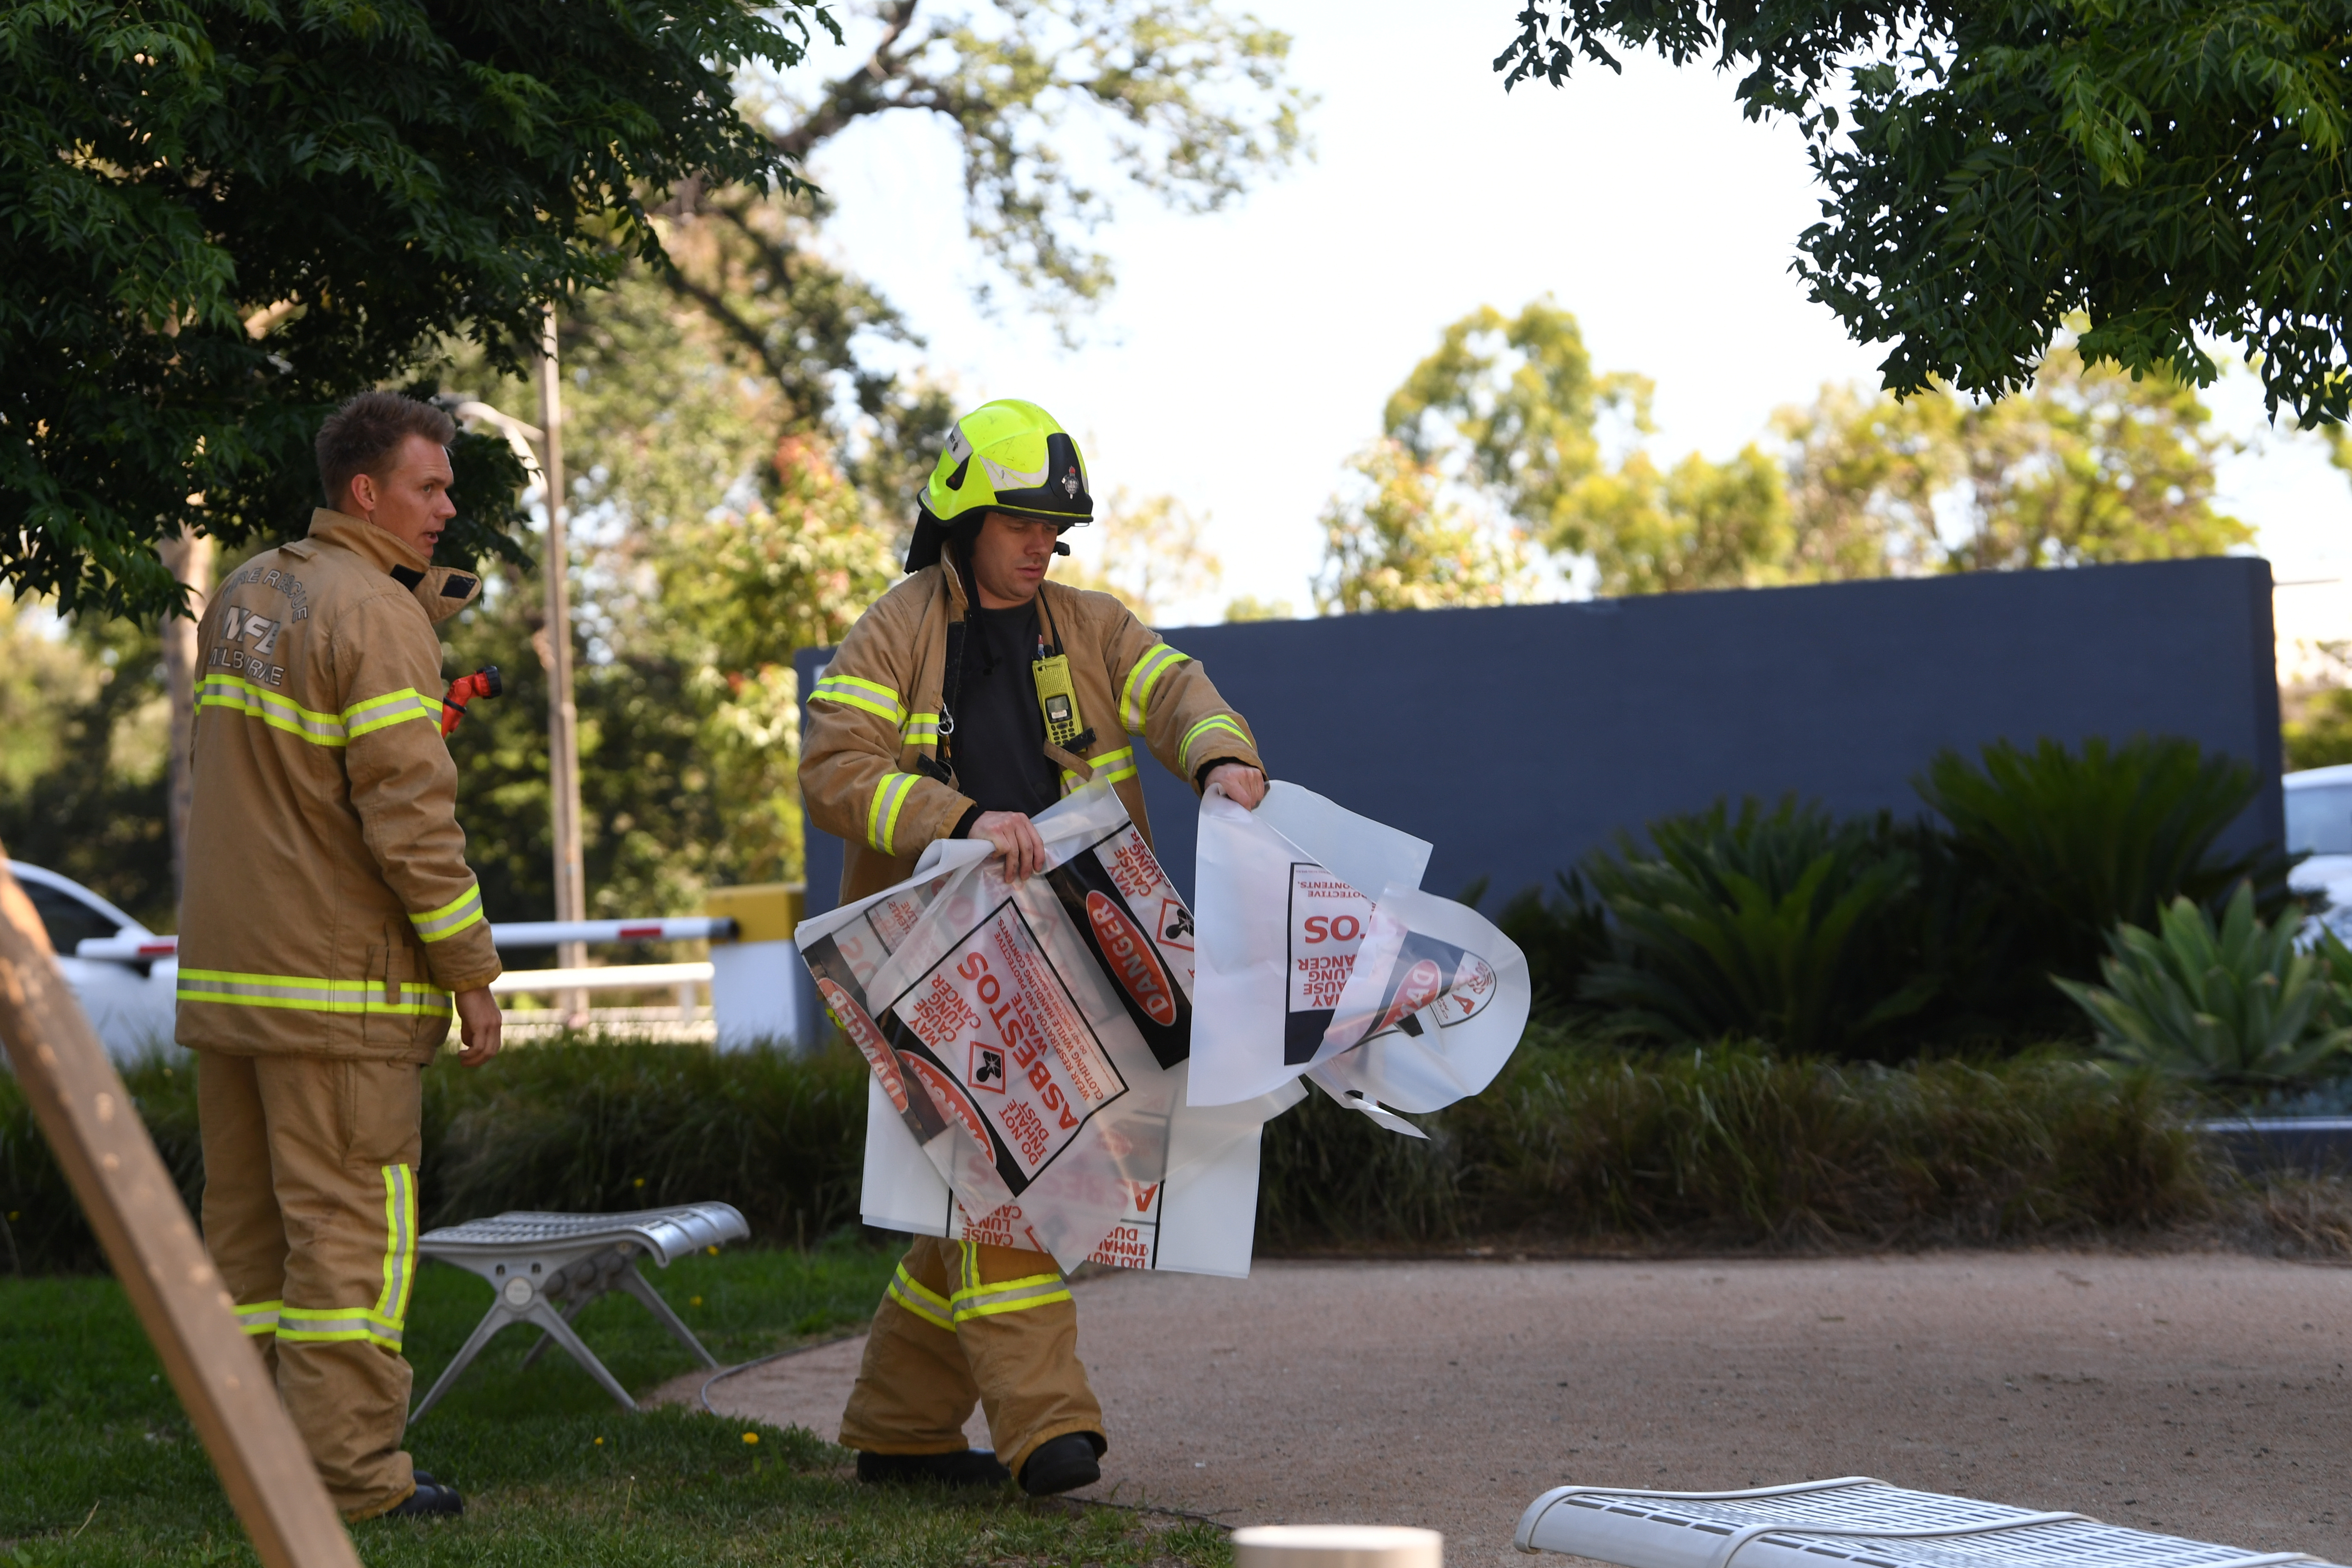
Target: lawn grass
99 1465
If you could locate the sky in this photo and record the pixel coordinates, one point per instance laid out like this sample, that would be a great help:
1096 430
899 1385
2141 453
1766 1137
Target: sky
1245 356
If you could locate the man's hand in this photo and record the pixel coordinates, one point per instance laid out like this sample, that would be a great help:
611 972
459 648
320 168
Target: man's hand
479 1024
1244 784
1015 837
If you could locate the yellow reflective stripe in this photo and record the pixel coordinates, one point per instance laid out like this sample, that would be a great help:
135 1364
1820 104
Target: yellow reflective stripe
925 1303
437 925
882 813
244 697
921 729
1208 726
305 994
1014 1296
1135 700
258 1317
850 691
399 1245
975 1289
391 708
1111 767
329 1325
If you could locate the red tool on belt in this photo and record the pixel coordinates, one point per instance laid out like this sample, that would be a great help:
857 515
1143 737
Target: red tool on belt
483 682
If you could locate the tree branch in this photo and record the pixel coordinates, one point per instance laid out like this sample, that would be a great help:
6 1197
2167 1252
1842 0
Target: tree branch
859 94
739 328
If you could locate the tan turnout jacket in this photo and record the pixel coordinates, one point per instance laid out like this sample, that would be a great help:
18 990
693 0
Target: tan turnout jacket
327 909
876 713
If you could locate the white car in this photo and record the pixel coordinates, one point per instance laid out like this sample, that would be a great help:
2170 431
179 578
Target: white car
2319 823
129 998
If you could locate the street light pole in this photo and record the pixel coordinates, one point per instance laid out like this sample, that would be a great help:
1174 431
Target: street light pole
562 713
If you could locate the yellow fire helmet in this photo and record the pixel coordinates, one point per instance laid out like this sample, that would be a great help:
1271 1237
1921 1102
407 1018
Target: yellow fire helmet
1007 455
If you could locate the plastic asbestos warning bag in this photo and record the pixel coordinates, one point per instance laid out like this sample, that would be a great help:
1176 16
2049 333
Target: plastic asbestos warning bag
1321 957
1030 1040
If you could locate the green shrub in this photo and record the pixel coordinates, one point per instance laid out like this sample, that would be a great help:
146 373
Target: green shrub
2322 738
1863 937
2234 1006
2069 845
41 1224
602 1128
1564 936
1575 1141
1739 1147
1789 926
578 1126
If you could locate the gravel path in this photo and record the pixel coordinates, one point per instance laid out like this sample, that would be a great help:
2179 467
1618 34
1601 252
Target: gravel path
2205 1395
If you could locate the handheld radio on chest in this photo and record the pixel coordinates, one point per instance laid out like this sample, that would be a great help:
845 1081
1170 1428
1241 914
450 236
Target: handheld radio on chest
1057 698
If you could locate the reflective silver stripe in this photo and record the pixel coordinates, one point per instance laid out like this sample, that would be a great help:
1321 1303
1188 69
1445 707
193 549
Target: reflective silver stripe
336 1323
450 918
921 729
399 1245
392 707
1214 724
259 1316
302 994
1016 1298
255 703
1134 702
868 696
911 1294
882 813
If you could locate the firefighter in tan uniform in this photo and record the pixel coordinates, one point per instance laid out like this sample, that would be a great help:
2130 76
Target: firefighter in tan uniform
329 929
964 702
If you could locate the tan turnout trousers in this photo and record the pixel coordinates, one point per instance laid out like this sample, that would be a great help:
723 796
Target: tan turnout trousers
310 1214
965 1322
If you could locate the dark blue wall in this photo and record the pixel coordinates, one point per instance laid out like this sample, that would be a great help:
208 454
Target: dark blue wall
1514 740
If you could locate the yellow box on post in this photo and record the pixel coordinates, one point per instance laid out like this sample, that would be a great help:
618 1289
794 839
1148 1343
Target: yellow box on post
754 979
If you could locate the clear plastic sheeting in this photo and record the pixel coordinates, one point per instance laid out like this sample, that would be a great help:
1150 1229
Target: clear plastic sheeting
1201 1220
1030 1040
1320 958
1852 1520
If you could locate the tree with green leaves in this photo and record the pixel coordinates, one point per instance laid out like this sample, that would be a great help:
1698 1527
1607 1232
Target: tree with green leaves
224 216
2171 168
1396 540
1507 403
747 446
1699 524
2085 465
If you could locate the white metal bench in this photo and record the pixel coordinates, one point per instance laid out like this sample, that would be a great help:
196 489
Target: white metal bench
1852 1519
547 1266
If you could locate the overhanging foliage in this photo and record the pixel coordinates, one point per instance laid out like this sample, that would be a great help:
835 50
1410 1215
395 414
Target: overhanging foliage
219 217
2171 167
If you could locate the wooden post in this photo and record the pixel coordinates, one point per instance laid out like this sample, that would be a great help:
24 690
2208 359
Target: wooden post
190 557
562 711
106 1155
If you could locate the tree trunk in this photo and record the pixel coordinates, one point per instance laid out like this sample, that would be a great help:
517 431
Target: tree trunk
190 558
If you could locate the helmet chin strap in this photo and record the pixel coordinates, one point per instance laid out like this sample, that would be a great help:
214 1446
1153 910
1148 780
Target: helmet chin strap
1060 548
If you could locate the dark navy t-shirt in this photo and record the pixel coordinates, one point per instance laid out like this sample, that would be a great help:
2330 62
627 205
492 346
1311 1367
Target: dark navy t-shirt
1000 734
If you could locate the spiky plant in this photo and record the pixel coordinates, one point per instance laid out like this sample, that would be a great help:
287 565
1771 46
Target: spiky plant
2071 842
1787 925
2232 1004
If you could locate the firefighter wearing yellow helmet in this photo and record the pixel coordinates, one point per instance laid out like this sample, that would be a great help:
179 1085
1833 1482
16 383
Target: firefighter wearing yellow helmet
966 699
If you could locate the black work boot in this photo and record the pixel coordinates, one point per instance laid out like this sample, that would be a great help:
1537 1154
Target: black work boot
431 1500
969 1468
1064 1464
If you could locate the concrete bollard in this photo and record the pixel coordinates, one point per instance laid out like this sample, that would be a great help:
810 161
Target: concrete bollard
1337 1546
